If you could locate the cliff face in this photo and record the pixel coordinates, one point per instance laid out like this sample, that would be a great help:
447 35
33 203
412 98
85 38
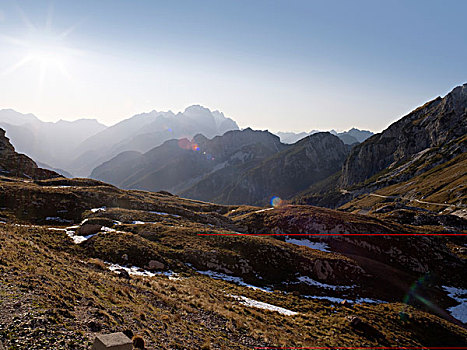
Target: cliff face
239 167
177 165
433 125
19 165
284 174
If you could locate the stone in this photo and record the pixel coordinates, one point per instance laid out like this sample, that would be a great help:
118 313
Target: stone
123 273
88 229
94 326
113 341
356 322
155 265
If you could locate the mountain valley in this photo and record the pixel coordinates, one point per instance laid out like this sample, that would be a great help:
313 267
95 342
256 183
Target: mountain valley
361 245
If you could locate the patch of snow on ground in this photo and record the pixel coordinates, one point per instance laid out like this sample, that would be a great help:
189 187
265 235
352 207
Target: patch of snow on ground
164 214
460 295
339 300
133 270
262 210
96 210
138 222
237 280
78 239
312 282
265 306
138 271
57 219
307 243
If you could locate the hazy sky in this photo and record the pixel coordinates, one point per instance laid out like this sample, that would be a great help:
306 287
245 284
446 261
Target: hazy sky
277 65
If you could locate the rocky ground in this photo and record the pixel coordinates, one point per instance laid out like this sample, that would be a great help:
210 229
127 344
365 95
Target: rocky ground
80 257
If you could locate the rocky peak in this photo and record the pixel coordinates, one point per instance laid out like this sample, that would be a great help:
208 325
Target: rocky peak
432 125
232 141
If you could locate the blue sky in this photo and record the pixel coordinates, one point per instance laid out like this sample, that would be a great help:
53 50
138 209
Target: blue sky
277 65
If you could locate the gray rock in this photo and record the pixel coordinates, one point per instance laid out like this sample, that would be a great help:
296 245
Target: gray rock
113 341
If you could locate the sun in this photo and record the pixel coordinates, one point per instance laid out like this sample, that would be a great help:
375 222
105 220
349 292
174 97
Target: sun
47 53
45 47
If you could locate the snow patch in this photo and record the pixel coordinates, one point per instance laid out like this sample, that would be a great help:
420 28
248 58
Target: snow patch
237 280
261 305
96 210
460 295
307 243
138 271
339 300
312 282
57 219
76 238
262 210
164 214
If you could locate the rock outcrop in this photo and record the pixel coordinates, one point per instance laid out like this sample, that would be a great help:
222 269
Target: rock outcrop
19 165
431 126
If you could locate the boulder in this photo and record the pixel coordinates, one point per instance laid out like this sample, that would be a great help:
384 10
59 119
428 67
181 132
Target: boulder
88 229
113 341
155 265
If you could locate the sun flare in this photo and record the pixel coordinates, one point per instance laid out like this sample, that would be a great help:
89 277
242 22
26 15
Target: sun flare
43 47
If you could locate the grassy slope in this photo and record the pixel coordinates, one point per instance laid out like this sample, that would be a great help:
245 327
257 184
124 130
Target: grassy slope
50 291
445 184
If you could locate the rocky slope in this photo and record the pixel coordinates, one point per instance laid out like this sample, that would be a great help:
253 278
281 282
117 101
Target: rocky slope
427 138
80 256
19 165
282 175
431 126
239 167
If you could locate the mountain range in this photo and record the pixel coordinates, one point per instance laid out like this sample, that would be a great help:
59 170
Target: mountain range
350 137
80 257
75 148
79 146
252 167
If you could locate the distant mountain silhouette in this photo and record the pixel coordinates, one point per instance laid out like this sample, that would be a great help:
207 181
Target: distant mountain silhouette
48 143
146 131
79 146
350 137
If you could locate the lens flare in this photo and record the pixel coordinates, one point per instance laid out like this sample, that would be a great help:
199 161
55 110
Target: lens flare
184 144
413 295
276 202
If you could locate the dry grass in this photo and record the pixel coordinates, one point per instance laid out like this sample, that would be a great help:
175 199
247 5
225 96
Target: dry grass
72 290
